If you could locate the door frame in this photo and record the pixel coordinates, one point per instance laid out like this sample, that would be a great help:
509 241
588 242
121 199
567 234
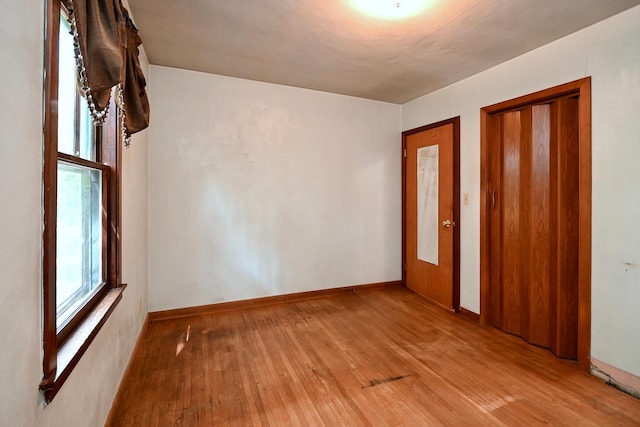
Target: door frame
455 121
582 88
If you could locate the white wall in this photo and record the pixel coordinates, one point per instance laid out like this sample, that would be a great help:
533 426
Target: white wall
609 52
86 397
258 189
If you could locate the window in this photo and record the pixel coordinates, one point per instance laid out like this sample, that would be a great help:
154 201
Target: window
91 58
81 259
80 228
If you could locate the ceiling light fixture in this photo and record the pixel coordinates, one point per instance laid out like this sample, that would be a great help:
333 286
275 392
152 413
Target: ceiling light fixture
390 9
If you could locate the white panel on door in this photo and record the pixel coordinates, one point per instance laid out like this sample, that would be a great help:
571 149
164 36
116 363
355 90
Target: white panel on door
428 204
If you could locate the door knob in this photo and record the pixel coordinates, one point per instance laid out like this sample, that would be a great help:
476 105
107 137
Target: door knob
448 223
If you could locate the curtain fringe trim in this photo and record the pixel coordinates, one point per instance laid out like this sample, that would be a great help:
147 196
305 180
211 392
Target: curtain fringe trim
98 116
126 137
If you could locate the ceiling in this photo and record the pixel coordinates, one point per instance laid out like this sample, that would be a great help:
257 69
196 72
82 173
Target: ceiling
328 45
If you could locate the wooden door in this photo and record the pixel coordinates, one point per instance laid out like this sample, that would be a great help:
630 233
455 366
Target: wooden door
534 223
430 208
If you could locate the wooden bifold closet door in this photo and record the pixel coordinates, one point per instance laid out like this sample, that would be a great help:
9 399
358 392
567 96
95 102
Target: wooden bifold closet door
533 223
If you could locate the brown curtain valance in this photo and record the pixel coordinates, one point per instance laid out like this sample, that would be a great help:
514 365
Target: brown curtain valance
107 55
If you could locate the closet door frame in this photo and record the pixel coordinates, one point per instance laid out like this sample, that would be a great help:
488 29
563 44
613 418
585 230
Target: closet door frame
581 88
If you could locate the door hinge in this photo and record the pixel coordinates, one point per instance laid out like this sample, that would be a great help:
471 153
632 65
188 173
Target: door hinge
405 153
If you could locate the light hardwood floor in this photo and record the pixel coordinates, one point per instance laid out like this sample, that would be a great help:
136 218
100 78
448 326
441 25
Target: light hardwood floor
375 358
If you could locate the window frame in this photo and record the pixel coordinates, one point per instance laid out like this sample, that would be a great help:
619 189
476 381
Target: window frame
63 349
69 325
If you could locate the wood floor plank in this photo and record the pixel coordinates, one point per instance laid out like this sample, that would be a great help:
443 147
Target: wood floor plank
384 357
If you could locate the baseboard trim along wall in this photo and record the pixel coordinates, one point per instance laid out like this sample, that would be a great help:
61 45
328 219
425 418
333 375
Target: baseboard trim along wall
136 349
475 317
157 316
616 377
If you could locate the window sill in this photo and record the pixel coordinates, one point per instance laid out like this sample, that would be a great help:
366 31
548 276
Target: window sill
70 352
